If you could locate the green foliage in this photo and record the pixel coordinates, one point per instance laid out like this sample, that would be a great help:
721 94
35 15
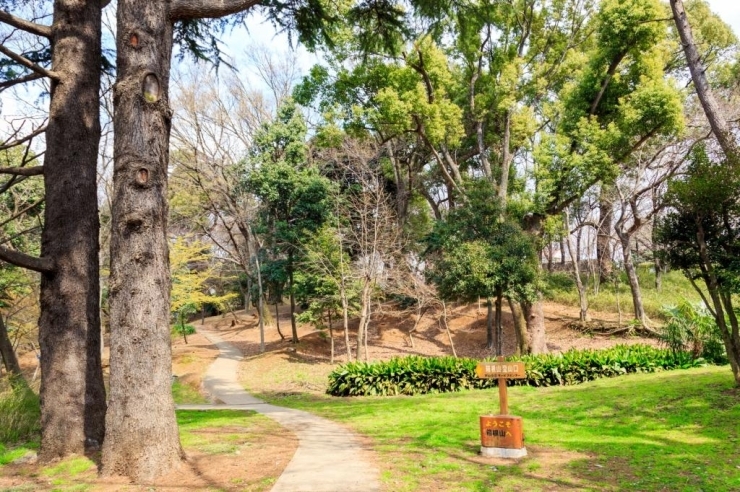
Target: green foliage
705 199
420 375
693 329
475 252
20 414
323 273
183 329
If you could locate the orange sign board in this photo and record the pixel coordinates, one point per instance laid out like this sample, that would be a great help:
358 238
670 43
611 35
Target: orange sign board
501 431
508 370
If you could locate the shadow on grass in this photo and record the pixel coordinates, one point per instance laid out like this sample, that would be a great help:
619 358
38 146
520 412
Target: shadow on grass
674 430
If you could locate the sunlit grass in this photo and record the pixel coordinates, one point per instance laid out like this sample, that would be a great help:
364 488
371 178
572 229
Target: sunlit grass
560 288
676 430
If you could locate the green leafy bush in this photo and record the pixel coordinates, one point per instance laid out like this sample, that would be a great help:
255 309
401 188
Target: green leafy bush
418 375
691 328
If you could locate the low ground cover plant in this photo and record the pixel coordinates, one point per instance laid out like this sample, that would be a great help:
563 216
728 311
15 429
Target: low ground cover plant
419 375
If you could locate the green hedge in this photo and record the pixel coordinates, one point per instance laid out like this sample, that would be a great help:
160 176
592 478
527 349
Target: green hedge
418 375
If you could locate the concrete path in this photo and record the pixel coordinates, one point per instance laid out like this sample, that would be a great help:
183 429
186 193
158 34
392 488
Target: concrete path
329 458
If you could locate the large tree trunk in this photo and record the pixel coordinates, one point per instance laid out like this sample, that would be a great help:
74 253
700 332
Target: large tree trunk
535 326
10 361
604 238
717 121
72 391
142 441
520 327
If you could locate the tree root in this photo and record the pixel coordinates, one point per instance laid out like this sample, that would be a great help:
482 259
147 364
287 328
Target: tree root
611 329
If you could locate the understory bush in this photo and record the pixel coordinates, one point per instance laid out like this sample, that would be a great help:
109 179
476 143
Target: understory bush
692 328
418 375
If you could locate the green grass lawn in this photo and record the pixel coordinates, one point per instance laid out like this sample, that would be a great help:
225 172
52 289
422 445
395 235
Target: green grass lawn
671 431
561 288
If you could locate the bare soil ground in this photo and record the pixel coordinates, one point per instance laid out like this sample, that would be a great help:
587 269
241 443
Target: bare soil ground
289 368
255 458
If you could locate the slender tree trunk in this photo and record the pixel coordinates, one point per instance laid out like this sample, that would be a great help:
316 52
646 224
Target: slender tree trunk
293 326
520 327
447 329
10 361
582 296
506 157
549 257
331 338
717 121
142 441
562 251
629 267
345 320
604 237
72 392
364 315
489 325
277 322
419 314
499 325
260 304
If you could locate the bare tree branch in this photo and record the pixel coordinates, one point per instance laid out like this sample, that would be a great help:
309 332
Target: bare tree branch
20 80
8 144
24 25
23 171
210 9
41 265
28 63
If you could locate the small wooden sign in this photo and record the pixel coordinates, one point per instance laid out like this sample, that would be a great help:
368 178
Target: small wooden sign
496 370
501 431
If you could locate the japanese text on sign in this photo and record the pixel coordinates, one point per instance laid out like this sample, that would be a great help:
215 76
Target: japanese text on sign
509 370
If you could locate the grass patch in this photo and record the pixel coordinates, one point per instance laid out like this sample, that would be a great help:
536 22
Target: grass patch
651 432
222 431
184 393
561 288
19 414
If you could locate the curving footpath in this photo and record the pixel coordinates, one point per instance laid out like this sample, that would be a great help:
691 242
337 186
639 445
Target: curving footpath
328 459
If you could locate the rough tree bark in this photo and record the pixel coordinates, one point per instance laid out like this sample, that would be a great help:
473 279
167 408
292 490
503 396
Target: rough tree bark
142 441
717 121
535 326
72 391
520 327
10 361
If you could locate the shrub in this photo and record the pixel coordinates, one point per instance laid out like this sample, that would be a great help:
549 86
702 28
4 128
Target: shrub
693 329
19 414
419 375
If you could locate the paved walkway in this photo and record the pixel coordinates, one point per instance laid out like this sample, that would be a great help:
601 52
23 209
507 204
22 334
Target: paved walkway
328 458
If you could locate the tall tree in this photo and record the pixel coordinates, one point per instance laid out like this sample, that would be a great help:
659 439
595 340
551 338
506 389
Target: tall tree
72 392
717 121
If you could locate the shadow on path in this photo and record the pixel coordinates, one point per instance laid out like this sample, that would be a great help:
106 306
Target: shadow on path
329 457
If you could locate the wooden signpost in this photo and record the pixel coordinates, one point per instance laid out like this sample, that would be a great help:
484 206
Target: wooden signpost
502 435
